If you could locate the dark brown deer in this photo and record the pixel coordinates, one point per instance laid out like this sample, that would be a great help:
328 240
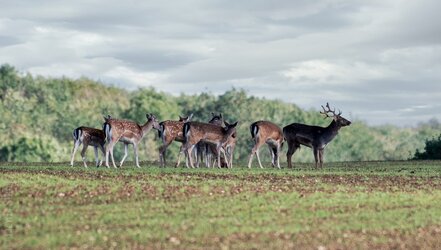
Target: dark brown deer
128 132
313 136
88 136
170 131
266 132
195 132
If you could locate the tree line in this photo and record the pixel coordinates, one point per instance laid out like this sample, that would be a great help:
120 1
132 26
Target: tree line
38 115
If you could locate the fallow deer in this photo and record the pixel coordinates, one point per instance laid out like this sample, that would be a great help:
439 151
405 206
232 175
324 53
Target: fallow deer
314 137
195 132
170 131
266 132
88 136
128 132
206 151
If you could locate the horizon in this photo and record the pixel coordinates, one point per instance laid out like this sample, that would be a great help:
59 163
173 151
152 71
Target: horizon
378 62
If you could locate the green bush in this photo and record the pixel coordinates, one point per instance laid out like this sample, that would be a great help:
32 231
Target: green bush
432 150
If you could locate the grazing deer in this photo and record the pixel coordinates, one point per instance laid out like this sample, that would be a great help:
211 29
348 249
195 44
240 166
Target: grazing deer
269 133
128 132
195 132
88 136
313 136
170 131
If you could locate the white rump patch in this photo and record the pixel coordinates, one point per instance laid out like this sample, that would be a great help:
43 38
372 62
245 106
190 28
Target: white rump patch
108 132
256 129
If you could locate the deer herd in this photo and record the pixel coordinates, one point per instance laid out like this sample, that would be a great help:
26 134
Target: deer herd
211 142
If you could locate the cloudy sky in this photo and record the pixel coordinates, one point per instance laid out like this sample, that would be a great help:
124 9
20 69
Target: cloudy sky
378 61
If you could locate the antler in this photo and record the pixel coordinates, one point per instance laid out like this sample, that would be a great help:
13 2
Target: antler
328 110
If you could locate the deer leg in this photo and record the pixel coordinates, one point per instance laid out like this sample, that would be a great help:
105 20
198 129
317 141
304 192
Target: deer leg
253 152
161 156
135 148
292 147
181 151
273 156
321 152
97 160
74 151
126 147
108 149
218 156
316 155
278 155
190 158
198 155
104 153
231 155
113 159
225 156
258 159
83 154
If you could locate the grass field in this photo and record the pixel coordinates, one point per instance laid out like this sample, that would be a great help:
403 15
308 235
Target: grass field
346 205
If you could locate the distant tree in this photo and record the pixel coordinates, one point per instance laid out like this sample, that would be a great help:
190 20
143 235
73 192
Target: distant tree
432 150
27 149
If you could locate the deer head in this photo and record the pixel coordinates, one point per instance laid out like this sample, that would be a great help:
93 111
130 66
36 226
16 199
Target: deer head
217 119
338 119
152 118
185 119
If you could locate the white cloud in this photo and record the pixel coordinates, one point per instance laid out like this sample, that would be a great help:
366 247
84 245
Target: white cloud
379 60
322 72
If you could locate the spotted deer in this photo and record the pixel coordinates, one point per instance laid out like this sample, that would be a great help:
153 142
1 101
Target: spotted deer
127 132
266 132
314 137
195 132
168 132
88 136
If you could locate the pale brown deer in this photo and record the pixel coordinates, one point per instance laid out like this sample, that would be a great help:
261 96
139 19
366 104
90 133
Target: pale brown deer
314 137
128 132
266 132
195 132
88 136
170 131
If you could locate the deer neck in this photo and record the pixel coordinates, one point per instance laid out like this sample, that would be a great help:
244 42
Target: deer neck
146 127
331 131
227 135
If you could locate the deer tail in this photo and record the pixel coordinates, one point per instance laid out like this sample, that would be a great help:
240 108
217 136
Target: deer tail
107 131
254 129
77 133
186 130
161 131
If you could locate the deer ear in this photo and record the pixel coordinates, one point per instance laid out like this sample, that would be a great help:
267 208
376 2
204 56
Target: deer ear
226 124
220 115
234 124
212 114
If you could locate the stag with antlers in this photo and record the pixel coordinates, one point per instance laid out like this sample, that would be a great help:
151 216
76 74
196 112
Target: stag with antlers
314 137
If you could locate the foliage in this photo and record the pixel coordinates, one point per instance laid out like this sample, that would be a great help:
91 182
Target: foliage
432 150
42 109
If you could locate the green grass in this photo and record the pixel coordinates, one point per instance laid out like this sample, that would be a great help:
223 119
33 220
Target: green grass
344 205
